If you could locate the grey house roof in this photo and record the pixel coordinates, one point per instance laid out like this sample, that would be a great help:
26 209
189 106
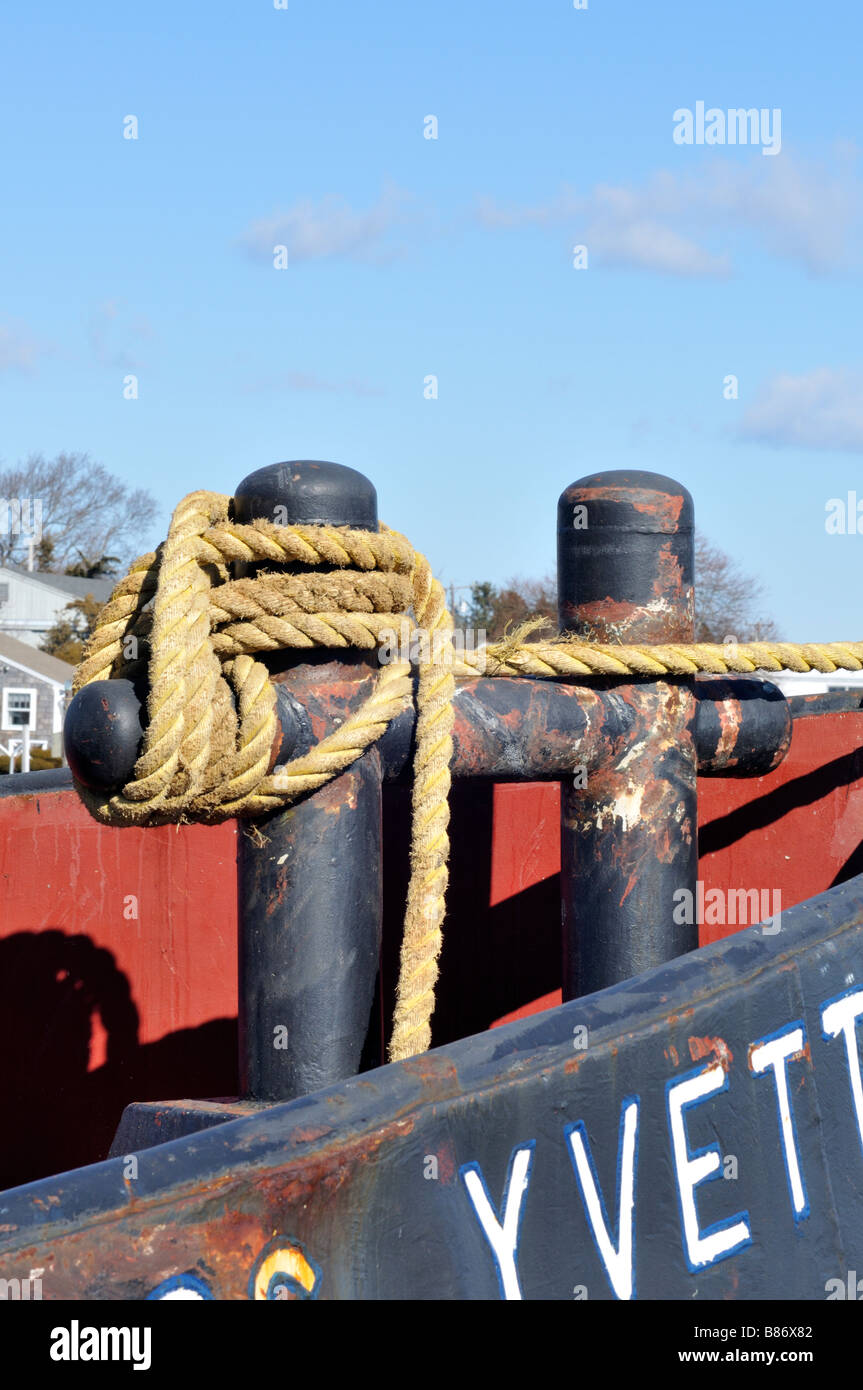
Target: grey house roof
31 659
70 584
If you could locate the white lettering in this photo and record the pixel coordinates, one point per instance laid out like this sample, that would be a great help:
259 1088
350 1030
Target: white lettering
502 1235
841 1017
774 1054
617 1261
691 1170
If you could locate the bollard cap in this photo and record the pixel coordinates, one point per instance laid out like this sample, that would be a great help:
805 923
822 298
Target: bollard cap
625 558
629 499
102 734
308 492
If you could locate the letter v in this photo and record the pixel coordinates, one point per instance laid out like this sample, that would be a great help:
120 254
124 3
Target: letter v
502 1235
616 1261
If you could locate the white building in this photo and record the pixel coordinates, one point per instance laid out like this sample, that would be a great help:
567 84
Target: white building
34 689
815 682
31 601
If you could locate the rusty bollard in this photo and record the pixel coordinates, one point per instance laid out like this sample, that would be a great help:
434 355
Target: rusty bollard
310 876
629 836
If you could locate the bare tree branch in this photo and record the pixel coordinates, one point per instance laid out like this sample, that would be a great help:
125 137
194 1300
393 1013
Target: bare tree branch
726 601
83 508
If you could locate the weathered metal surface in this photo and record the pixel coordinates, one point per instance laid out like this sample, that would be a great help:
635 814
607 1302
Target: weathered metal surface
628 845
742 726
309 877
625 558
146 1123
310 923
826 702
628 830
20 784
644 1142
308 492
528 730
509 729
102 732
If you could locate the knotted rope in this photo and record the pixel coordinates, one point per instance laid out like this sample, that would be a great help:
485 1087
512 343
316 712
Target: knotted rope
211 706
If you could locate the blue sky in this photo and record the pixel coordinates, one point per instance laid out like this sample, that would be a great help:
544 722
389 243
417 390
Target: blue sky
410 257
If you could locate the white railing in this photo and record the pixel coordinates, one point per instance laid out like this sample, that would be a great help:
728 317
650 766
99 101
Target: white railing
13 746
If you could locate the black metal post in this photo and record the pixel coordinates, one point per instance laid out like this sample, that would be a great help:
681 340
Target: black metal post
629 836
310 877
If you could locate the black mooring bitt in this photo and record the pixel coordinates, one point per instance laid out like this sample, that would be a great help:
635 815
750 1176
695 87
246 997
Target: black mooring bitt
310 492
310 877
629 837
310 893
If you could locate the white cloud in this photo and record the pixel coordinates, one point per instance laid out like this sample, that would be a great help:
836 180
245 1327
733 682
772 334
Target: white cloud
329 228
19 350
648 245
822 409
685 224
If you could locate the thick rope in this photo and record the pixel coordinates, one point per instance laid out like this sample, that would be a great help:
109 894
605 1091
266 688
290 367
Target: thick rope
211 725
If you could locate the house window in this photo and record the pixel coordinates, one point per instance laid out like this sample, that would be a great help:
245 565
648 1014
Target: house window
19 708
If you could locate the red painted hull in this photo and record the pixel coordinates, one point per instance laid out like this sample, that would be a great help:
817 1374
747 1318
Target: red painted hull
119 947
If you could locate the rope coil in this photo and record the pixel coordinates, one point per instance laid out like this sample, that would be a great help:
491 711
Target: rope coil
211 724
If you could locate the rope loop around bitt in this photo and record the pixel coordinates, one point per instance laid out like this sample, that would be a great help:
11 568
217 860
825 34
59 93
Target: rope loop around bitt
179 616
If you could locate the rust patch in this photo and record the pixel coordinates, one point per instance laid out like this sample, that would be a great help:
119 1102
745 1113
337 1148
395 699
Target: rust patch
308 1136
607 620
804 1052
730 716
715 1047
665 507
438 1080
669 591
445 1164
